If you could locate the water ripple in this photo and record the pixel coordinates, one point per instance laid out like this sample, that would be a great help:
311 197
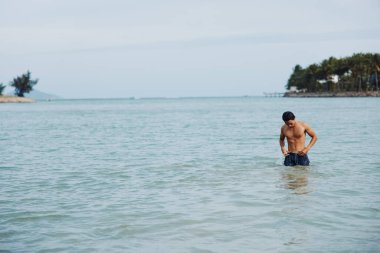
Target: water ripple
191 175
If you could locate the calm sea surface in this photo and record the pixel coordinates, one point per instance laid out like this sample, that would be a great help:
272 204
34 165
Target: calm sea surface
188 175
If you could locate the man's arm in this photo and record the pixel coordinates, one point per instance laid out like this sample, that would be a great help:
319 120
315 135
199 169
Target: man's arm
313 140
282 143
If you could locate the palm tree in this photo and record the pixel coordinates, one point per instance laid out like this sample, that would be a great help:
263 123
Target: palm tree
2 87
311 77
376 59
23 84
296 78
341 69
356 67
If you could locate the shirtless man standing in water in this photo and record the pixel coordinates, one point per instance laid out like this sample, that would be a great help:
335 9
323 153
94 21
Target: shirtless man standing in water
295 133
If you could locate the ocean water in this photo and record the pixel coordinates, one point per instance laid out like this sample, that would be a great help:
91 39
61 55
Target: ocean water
188 175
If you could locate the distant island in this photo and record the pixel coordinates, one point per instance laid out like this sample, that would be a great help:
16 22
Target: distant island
354 76
22 85
39 95
333 94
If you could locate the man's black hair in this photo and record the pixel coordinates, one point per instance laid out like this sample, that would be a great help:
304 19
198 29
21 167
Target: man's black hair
286 116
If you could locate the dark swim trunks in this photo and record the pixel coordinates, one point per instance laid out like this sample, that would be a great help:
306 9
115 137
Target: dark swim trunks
293 159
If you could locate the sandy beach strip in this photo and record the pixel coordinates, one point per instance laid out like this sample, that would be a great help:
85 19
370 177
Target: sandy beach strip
14 99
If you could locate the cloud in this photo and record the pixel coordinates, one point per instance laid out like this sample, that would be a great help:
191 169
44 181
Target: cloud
43 25
177 47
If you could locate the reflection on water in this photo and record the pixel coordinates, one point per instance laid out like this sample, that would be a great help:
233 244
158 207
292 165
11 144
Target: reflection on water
296 179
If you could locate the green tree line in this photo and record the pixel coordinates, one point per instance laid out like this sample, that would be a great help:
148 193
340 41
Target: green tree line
21 84
359 72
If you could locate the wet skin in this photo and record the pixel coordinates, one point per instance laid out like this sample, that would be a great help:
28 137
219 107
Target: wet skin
294 131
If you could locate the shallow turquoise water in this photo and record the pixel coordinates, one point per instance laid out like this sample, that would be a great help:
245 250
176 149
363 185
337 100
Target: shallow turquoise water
187 175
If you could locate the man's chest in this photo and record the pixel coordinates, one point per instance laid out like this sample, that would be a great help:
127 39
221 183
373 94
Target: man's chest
295 133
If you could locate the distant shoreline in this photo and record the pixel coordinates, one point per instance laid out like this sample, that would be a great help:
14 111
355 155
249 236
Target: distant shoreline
333 94
14 99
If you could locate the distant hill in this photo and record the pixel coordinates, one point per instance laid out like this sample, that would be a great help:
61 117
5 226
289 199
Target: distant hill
39 95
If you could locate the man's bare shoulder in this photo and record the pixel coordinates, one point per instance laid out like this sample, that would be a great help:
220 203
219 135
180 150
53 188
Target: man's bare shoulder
300 121
305 126
303 123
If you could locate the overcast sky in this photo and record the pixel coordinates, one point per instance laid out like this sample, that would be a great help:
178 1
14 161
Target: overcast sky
174 48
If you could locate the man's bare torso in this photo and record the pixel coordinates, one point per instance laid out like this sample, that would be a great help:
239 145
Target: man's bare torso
295 136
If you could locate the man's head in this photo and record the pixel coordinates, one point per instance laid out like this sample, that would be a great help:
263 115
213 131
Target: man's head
289 119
